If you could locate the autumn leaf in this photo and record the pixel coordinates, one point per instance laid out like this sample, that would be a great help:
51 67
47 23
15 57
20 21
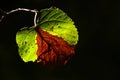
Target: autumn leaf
51 42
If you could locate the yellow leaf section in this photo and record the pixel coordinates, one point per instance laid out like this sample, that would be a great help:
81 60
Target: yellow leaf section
27 44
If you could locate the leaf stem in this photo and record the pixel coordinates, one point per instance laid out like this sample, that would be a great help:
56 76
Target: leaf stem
19 9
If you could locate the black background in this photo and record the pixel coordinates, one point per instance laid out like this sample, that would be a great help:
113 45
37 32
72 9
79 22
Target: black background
97 53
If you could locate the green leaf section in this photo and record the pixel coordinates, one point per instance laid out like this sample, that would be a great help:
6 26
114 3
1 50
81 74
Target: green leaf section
58 23
26 40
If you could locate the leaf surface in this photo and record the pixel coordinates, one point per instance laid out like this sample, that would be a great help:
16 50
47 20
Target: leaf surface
57 22
26 40
52 41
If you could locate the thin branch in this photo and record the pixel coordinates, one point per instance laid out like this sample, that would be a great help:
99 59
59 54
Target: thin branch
3 14
20 9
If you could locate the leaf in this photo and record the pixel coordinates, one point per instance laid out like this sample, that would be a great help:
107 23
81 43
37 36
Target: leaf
56 22
26 40
51 42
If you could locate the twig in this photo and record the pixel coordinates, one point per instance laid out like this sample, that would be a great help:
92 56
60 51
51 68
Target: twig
20 9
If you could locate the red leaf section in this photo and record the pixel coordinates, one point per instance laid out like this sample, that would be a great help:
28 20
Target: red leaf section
52 50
